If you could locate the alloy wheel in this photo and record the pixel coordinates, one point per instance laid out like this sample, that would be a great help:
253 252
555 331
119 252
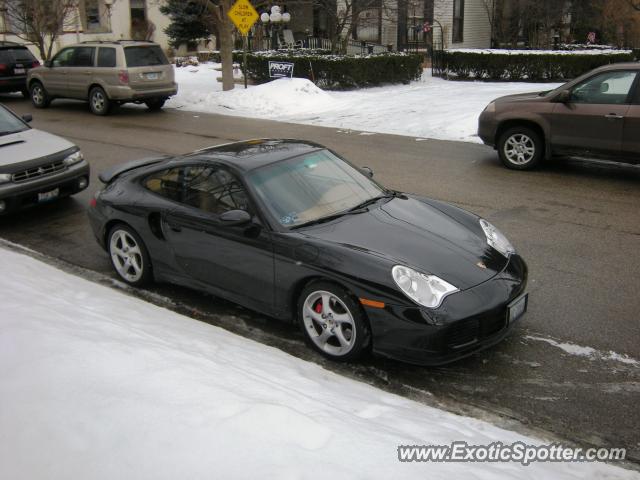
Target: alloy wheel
329 323
519 149
126 256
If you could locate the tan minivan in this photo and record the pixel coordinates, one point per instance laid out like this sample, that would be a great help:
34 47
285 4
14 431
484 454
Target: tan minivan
596 115
105 74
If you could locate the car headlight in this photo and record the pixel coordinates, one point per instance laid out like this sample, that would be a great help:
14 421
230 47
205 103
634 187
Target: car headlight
426 290
75 157
491 108
496 239
5 177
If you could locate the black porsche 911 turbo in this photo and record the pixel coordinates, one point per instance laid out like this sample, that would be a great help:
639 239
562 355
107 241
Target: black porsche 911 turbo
290 229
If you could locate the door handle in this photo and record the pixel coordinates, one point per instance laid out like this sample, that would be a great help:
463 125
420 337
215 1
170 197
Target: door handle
88 72
175 228
614 116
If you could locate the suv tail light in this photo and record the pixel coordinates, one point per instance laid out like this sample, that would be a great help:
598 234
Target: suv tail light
3 67
123 77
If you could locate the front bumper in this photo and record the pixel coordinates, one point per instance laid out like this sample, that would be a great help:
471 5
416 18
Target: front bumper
19 195
487 128
466 322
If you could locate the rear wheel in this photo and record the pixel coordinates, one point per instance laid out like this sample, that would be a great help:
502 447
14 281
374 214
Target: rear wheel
520 148
39 96
332 322
99 102
129 255
155 104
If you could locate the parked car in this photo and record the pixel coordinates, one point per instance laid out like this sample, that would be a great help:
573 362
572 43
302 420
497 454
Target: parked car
36 166
15 61
290 229
595 115
105 74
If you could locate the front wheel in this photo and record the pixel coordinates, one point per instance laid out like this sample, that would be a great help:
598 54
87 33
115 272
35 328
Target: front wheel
129 256
520 148
155 104
332 322
39 96
99 102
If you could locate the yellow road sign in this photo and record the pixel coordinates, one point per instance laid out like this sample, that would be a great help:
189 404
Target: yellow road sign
243 15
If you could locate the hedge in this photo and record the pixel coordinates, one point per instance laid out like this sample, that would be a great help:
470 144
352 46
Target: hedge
525 66
337 71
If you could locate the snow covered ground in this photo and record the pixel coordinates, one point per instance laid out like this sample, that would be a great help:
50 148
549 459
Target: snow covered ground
427 108
95 384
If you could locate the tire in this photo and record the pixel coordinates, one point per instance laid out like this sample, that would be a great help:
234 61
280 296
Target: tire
39 96
129 256
520 148
99 103
155 104
332 322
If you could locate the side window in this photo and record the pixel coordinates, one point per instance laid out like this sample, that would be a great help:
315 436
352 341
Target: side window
605 88
106 57
209 188
63 59
83 57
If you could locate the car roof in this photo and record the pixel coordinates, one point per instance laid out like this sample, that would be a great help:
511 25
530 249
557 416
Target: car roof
619 66
5 44
251 154
127 43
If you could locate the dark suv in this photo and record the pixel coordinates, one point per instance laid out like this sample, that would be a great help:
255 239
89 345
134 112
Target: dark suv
15 61
596 115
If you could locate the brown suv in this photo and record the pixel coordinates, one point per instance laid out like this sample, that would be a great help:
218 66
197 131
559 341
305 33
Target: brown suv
105 74
596 115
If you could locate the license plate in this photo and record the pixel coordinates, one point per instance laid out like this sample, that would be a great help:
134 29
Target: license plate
152 76
517 308
48 196
19 70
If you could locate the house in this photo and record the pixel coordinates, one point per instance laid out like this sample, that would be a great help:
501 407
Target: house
104 20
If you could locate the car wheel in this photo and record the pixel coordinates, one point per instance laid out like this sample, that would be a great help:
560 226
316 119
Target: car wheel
520 148
39 96
99 102
129 256
333 322
155 104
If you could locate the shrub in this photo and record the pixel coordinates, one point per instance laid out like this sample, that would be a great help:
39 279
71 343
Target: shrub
526 65
337 71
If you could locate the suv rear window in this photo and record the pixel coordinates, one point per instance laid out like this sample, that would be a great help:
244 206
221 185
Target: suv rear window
145 56
10 55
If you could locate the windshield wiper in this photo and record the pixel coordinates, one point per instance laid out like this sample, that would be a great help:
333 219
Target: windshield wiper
360 208
328 218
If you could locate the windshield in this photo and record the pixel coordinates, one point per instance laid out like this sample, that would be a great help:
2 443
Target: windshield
310 187
9 123
145 56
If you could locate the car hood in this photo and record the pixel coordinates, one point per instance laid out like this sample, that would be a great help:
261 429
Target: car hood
410 232
30 145
520 97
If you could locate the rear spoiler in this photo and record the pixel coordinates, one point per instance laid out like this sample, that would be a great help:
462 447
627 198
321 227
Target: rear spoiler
108 175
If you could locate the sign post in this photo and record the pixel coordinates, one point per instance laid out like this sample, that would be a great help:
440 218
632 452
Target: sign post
243 16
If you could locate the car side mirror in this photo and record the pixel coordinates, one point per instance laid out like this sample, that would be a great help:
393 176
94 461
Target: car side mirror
564 96
235 217
48 64
367 171
27 118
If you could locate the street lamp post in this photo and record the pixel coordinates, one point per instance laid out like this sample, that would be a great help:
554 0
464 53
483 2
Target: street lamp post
272 22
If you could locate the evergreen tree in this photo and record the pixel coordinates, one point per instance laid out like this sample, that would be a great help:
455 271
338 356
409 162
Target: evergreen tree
187 23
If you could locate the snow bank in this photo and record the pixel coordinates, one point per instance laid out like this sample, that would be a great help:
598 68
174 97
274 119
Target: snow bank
427 108
98 385
498 51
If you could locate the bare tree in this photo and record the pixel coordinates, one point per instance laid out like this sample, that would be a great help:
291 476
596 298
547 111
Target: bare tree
40 22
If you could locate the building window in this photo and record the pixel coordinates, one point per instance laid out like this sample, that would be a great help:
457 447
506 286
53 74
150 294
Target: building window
458 21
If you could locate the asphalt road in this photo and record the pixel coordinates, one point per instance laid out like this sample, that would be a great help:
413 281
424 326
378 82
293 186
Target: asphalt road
577 224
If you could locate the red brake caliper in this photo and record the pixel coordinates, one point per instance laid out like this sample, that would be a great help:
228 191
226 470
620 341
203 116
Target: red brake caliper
318 307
